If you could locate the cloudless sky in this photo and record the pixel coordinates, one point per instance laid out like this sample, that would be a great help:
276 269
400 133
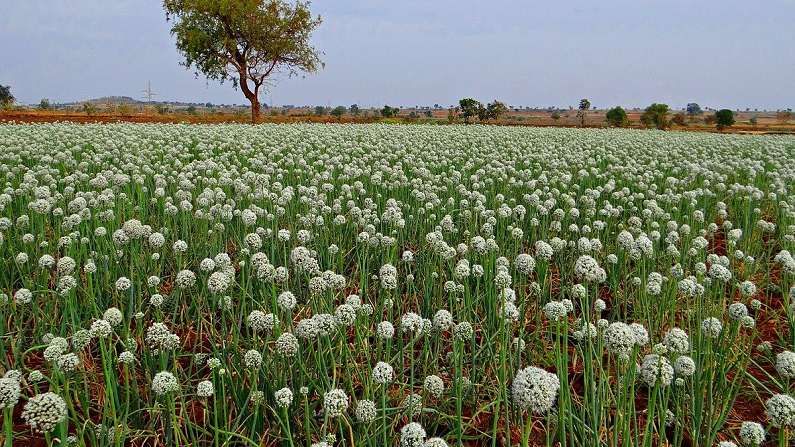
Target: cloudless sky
720 53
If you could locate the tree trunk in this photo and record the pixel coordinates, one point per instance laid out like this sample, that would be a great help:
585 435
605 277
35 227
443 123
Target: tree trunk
252 96
254 110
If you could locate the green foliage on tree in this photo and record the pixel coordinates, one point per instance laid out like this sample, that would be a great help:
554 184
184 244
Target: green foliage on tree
339 111
191 110
390 112
44 104
320 110
656 115
724 118
582 110
469 108
495 110
245 41
617 117
693 109
6 98
354 109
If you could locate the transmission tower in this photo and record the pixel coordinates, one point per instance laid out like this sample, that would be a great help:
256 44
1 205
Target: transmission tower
148 93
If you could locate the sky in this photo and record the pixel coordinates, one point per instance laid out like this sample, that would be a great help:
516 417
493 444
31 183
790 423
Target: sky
719 53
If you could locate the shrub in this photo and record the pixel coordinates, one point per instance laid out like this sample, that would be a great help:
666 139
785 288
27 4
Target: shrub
656 115
724 118
616 117
89 109
338 112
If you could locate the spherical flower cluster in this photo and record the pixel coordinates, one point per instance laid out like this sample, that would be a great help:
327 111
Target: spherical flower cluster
587 269
185 279
23 296
752 434
544 250
286 301
164 382
412 405
284 397
412 435
366 411
711 327
219 281
535 389
345 315
434 386
442 320
335 402
620 339
101 329
525 263
126 358
785 364
205 389
385 330
463 331
261 322
720 273
287 344
677 341
737 311
555 310
68 362
9 392
43 412
684 366
123 284
656 370
780 409
383 373
747 289
159 338
252 359
411 323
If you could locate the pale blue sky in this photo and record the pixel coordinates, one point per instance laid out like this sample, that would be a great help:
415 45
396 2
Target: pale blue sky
405 52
